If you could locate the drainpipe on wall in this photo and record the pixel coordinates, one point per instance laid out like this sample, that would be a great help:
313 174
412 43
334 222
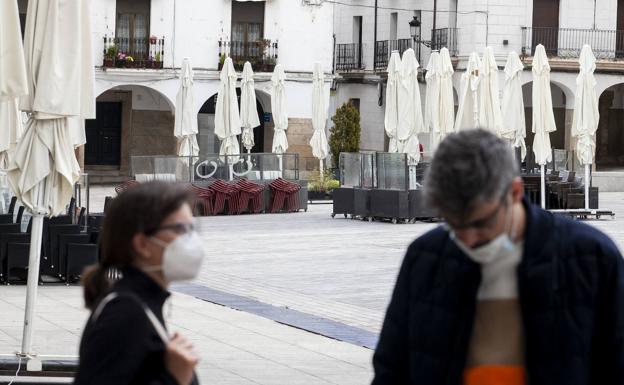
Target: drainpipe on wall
435 9
374 36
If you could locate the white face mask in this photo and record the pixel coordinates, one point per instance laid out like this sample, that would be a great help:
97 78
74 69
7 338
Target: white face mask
182 258
491 250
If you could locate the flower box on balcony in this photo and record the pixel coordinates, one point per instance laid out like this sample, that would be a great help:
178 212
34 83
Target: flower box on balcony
108 63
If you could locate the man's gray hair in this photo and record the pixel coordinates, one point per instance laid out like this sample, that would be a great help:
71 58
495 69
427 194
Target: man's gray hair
469 168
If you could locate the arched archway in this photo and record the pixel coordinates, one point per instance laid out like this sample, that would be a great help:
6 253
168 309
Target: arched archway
559 102
610 135
130 120
209 142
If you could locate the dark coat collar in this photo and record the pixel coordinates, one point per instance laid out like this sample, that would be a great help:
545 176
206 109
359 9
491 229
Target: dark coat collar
137 282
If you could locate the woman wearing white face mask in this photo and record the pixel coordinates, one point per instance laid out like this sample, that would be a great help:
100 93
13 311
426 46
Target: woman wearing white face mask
148 234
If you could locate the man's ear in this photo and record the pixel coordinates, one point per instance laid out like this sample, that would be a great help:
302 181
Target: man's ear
517 189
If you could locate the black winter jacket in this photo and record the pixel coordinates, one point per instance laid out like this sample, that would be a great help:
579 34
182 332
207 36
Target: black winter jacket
122 346
571 292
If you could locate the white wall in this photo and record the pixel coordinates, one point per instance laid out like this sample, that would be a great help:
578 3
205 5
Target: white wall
304 33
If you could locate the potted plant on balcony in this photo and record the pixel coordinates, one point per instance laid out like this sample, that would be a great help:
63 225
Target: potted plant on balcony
268 64
120 60
221 61
109 56
159 63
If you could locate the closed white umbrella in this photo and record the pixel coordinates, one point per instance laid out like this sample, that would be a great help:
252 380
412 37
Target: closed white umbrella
442 116
185 126
13 83
318 142
410 113
391 118
586 115
11 122
227 118
512 110
280 117
468 110
60 77
249 113
489 106
432 98
543 117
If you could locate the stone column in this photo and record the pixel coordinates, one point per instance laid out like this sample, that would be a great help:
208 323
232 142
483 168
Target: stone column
602 134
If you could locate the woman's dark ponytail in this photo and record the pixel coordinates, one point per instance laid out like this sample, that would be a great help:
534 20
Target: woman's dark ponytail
96 284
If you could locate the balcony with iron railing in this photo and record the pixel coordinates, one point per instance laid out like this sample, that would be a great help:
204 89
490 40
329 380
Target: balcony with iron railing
122 52
262 54
566 43
444 37
349 57
384 51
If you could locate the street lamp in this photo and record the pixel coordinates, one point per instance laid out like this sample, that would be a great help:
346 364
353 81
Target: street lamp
414 25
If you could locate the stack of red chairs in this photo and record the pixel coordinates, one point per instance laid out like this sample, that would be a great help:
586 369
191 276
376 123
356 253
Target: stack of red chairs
125 185
283 191
203 196
250 191
225 193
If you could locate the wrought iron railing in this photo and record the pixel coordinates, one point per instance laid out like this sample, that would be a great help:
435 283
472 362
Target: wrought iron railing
568 42
349 57
262 54
133 52
385 48
444 37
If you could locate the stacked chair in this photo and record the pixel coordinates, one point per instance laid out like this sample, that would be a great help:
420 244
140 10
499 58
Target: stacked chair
251 197
216 196
203 200
67 247
226 197
284 196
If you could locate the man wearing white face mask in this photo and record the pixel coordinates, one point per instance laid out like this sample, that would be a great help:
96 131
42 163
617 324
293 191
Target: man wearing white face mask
149 236
503 293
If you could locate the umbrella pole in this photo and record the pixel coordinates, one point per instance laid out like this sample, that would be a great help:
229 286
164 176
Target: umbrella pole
543 187
412 177
321 169
586 187
33 269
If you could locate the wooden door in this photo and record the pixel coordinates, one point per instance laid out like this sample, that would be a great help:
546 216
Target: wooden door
104 135
546 25
619 37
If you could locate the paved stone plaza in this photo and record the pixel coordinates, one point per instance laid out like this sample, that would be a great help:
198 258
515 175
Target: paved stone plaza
262 273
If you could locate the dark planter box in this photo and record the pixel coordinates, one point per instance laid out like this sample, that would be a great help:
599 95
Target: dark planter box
417 207
108 63
361 202
317 195
577 201
343 201
390 204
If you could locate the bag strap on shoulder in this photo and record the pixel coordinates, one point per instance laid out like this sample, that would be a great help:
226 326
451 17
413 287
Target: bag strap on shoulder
158 326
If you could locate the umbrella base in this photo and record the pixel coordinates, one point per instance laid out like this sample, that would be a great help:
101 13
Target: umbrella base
583 214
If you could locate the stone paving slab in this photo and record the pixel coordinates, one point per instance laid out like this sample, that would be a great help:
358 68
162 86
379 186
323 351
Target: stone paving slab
236 347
